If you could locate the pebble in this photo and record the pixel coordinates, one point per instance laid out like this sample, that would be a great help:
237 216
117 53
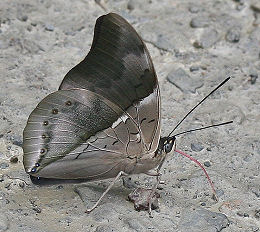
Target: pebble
241 214
49 27
233 34
22 18
207 39
106 228
220 192
134 224
197 147
200 22
201 219
207 164
14 159
256 191
21 184
16 140
253 77
194 68
257 213
240 6
4 165
255 6
130 5
183 81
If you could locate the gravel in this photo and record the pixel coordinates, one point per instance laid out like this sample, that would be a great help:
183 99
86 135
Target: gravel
41 41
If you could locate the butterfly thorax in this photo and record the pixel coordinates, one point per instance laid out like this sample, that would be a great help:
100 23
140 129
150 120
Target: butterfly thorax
152 160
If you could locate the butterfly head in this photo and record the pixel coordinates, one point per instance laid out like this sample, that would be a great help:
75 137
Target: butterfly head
169 144
166 145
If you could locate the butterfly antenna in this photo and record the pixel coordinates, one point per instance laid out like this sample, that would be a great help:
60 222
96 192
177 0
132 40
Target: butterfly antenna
202 128
222 83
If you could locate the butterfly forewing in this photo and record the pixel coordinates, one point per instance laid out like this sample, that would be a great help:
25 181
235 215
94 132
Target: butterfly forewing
118 65
105 115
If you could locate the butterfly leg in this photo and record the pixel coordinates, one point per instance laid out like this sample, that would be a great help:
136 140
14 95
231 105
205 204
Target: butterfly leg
153 190
158 180
121 173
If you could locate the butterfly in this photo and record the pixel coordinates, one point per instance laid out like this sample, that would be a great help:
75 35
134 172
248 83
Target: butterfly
104 121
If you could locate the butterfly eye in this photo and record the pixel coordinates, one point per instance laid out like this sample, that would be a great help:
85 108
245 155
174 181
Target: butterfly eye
168 146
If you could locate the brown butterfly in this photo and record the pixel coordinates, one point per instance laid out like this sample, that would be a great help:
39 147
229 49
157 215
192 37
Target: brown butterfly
104 121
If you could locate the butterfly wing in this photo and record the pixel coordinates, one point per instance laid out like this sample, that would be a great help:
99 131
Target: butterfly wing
106 112
118 65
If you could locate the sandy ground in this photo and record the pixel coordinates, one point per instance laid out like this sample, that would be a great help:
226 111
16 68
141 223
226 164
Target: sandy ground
194 45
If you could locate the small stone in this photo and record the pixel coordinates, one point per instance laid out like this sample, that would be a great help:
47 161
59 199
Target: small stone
257 213
106 228
16 140
130 5
14 159
219 192
21 184
240 6
207 164
4 165
197 147
194 68
207 40
49 27
23 18
200 22
256 191
29 28
202 220
233 35
241 214
255 6
203 204
134 224
253 77
183 81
